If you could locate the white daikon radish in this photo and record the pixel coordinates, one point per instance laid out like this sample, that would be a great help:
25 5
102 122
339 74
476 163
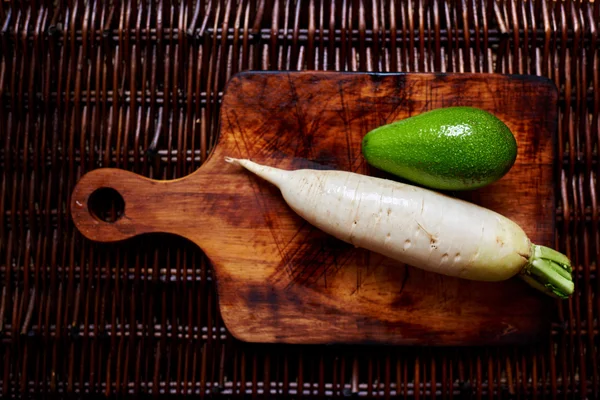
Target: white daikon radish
419 227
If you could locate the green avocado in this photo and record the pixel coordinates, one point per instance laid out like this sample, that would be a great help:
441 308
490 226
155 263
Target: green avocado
453 148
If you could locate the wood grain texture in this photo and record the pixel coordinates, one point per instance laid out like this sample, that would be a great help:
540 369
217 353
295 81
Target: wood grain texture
280 279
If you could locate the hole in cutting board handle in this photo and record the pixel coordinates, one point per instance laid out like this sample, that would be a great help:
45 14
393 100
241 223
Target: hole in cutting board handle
106 204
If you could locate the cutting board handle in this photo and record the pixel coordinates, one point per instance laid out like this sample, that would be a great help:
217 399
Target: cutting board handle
100 192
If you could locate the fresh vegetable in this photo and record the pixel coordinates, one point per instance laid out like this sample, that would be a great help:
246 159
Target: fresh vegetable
419 227
453 148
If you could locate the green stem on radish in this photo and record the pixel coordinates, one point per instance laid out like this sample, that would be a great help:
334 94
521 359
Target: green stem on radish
549 271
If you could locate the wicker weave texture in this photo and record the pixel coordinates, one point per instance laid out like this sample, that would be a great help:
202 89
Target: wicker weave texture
137 85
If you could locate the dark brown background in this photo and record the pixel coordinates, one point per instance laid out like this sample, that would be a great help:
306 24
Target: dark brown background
85 85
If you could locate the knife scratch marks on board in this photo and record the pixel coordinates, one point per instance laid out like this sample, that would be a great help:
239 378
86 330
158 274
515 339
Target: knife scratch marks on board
365 270
304 132
287 262
235 129
311 265
345 119
259 191
269 220
399 98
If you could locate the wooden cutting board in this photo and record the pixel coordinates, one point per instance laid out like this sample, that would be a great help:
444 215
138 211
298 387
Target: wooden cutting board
281 280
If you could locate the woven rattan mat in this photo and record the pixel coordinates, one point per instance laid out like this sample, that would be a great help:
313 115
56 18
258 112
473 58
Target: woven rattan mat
137 85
